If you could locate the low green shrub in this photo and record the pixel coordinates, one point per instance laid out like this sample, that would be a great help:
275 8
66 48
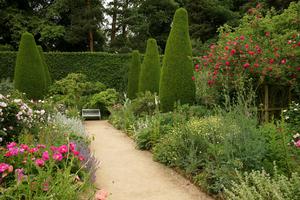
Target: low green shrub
6 86
103 101
261 185
74 90
145 104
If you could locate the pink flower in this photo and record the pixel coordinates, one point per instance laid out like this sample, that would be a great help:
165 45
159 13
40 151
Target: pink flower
72 146
101 195
76 153
232 52
283 61
246 65
33 150
193 78
11 145
197 66
39 162
57 157
246 46
63 149
12 152
81 158
242 37
3 167
45 156
45 186
297 144
19 174
227 63
41 146
24 146
53 148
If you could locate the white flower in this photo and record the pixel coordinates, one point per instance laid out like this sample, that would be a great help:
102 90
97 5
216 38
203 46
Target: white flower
284 111
4 129
295 109
43 112
17 100
1 139
3 104
1 96
287 117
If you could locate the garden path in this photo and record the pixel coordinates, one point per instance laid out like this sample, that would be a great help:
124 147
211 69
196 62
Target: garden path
129 174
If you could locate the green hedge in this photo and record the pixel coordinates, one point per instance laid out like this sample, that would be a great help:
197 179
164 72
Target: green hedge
110 69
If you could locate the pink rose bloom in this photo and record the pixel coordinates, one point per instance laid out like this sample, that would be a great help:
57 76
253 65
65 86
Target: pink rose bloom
33 150
57 157
297 144
81 158
39 162
53 148
20 174
45 155
3 167
76 153
41 146
72 146
12 152
11 145
24 146
63 149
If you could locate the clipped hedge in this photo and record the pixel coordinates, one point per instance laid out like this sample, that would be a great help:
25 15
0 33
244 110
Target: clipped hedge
30 76
110 69
176 82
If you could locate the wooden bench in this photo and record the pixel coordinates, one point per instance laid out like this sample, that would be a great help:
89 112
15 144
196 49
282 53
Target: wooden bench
91 113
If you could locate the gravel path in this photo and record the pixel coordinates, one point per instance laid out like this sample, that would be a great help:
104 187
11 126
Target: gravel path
129 174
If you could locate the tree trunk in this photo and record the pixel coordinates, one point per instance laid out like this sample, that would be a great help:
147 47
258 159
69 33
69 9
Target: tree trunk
114 23
90 33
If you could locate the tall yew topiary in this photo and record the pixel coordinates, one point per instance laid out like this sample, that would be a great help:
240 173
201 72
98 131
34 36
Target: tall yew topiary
133 75
46 68
29 71
150 69
176 84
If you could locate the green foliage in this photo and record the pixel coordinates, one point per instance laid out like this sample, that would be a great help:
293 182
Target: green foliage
103 100
29 71
176 82
46 68
260 185
110 69
150 69
133 75
74 90
6 86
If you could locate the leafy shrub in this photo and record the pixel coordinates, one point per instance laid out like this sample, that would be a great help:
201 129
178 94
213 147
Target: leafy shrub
74 90
133 75
145 104
149 131
29 71
103 100
176 82
150 69
15 116
260 185
292 116
6 86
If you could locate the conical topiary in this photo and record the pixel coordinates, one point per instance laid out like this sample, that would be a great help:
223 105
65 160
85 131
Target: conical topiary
29 74
176 84
46 68
133 75
150 69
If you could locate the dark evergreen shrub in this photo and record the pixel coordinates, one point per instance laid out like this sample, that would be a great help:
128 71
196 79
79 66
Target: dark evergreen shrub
176 84
150 69
133 75
29 71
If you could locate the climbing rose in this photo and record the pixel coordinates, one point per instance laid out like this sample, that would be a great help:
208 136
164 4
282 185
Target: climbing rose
297 144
